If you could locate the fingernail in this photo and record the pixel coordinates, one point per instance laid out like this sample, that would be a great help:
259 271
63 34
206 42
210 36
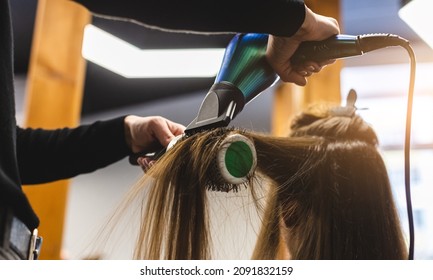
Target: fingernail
311 68
303 73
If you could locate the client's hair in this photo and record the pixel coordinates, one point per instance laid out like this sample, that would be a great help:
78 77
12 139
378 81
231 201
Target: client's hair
330 196
338 203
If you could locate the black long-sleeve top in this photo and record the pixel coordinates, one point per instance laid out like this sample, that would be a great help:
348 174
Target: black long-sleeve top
30 156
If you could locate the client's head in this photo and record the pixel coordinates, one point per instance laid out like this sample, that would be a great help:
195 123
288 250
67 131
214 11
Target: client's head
332 200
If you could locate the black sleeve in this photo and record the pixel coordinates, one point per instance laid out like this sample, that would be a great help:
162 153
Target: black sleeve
277 17
49 155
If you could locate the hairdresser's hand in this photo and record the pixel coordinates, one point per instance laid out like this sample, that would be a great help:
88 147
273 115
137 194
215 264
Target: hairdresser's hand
281 49
148 134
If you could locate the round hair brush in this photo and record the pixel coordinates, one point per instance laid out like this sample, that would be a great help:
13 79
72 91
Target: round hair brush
235 163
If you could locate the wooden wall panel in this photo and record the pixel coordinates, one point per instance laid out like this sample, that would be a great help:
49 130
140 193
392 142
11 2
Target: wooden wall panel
290 99
53 99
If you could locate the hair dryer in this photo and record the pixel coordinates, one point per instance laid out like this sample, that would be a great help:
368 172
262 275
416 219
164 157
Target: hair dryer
245 72
243 75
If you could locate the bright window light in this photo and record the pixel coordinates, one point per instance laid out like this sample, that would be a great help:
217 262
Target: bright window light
418 15
121 57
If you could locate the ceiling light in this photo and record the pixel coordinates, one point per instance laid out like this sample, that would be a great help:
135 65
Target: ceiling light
417 14
118 56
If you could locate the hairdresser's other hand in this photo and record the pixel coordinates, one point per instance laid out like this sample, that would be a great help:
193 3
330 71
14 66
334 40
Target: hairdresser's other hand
147 134
280 49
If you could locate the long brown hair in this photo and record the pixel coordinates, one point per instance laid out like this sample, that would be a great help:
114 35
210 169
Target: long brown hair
330 196
338 204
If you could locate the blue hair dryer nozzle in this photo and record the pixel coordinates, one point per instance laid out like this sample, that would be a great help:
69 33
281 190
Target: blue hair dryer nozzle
243 75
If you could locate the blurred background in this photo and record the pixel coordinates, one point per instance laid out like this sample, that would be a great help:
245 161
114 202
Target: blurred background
381 79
